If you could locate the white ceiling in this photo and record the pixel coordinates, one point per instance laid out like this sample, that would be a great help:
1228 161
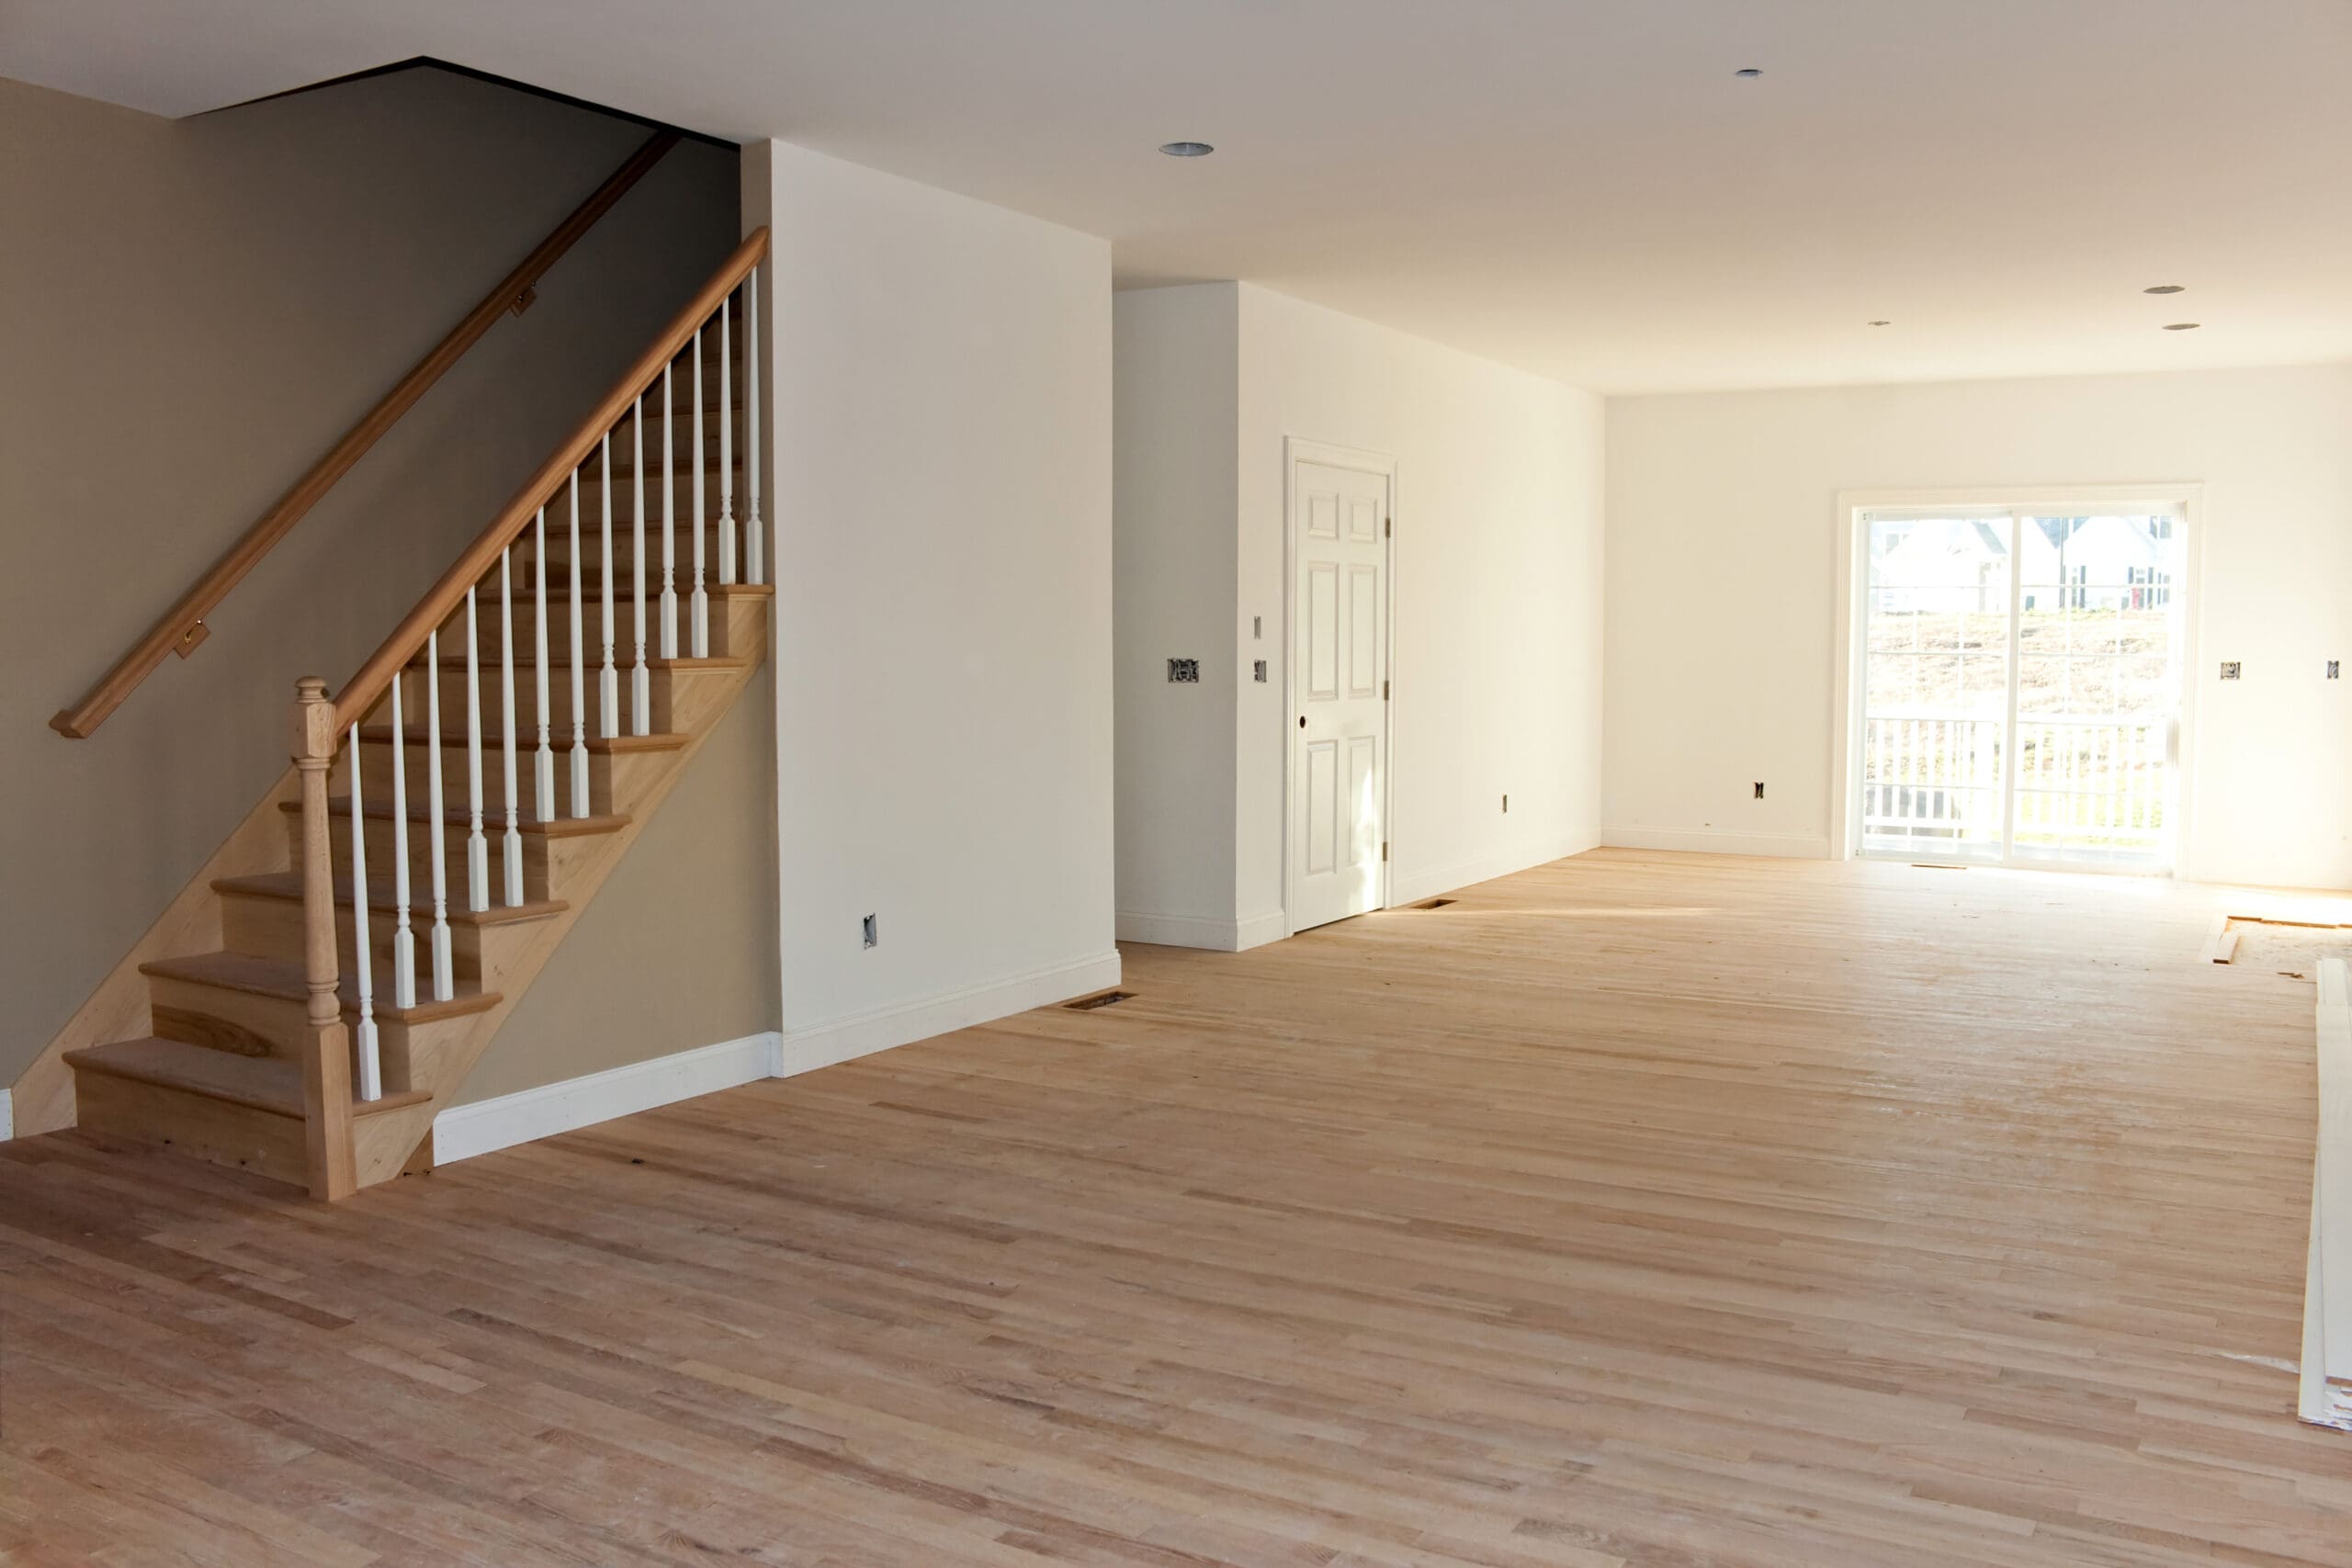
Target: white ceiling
1578 186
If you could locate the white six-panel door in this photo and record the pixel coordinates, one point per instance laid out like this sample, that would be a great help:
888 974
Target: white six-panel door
1340 528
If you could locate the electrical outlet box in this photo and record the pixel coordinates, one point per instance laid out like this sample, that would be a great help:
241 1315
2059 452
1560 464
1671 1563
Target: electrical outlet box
1185 670
1257 672
1257 628
2332 670
1759 789
2229 669
872 931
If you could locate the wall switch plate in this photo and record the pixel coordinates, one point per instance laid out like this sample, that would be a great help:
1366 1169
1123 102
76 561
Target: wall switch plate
871 930
1258 671
1759 789
1257 628
2229 669
1185 670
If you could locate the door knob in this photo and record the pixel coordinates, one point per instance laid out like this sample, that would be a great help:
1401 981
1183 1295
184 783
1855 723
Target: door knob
1302 721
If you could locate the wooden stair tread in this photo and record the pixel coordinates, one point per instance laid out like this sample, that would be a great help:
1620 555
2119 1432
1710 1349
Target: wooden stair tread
561 658
288 884
591 578
273 1084
418 734
282 978
493 818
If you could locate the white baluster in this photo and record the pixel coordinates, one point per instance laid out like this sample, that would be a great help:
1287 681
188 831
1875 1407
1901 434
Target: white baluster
403 938
726 441
477 847
640 682
362 968
579 671
443 974
543 761
698 618
513 848
608 680
755 549
669 527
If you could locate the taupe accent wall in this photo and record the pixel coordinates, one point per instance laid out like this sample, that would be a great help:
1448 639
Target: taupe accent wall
194 311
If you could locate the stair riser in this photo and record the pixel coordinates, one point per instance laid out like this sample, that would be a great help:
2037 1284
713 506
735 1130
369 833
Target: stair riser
407 1052
733 619
196 1124
623 562
680 700
420 860
272 927
615 779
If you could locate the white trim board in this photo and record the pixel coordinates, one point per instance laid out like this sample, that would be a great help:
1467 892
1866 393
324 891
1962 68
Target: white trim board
465 1131
1717 841
7 1117
2322 1398
1200 931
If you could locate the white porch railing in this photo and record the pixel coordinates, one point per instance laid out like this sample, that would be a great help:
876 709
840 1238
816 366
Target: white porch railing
2090 782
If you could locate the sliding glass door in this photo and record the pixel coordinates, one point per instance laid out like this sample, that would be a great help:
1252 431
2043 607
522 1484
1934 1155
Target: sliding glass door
2021 687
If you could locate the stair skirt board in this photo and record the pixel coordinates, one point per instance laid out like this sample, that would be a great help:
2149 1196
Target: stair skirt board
465 1131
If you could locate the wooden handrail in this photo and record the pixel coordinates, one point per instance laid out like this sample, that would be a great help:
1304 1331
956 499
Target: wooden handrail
375 676
181 626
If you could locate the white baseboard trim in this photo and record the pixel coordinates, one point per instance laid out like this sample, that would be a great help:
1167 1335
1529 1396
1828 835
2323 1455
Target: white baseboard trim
7 1117
1259 930
1199 930
1411 887
1716 841
860 1034
465 1131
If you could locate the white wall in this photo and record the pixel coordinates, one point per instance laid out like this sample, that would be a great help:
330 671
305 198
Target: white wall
1497 680
1499 575
1176 357
941 421
1720 584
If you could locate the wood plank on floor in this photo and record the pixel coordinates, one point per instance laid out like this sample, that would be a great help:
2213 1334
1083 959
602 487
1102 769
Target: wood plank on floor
1637 1209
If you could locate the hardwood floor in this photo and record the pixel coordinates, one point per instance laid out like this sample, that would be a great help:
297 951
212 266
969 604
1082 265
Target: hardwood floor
1641 1209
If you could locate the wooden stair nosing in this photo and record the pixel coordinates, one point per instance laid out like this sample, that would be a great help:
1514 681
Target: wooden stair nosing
417 734
271 1084
561 659
494 818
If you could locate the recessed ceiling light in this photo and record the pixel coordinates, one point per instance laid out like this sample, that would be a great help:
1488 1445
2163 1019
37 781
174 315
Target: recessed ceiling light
2167 289
1186 149
2182 326
1748 73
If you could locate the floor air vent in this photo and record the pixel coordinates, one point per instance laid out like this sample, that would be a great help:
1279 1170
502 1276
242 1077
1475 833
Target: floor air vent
1108 999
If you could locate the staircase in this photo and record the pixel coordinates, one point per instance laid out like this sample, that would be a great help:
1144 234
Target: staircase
460 801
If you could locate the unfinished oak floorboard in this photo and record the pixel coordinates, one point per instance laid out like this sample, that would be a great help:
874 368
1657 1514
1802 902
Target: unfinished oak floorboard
1637 1208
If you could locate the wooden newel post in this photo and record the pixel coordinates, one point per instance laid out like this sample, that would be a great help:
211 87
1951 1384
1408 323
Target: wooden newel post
326 1055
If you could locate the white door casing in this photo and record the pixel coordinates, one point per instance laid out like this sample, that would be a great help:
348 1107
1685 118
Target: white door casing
1341 507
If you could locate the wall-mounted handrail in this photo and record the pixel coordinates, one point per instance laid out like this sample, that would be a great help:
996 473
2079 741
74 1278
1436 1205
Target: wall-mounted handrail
360 693
181 626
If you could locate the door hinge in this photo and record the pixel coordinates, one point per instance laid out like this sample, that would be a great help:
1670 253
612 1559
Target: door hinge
1388 527
1384 691
1383 849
